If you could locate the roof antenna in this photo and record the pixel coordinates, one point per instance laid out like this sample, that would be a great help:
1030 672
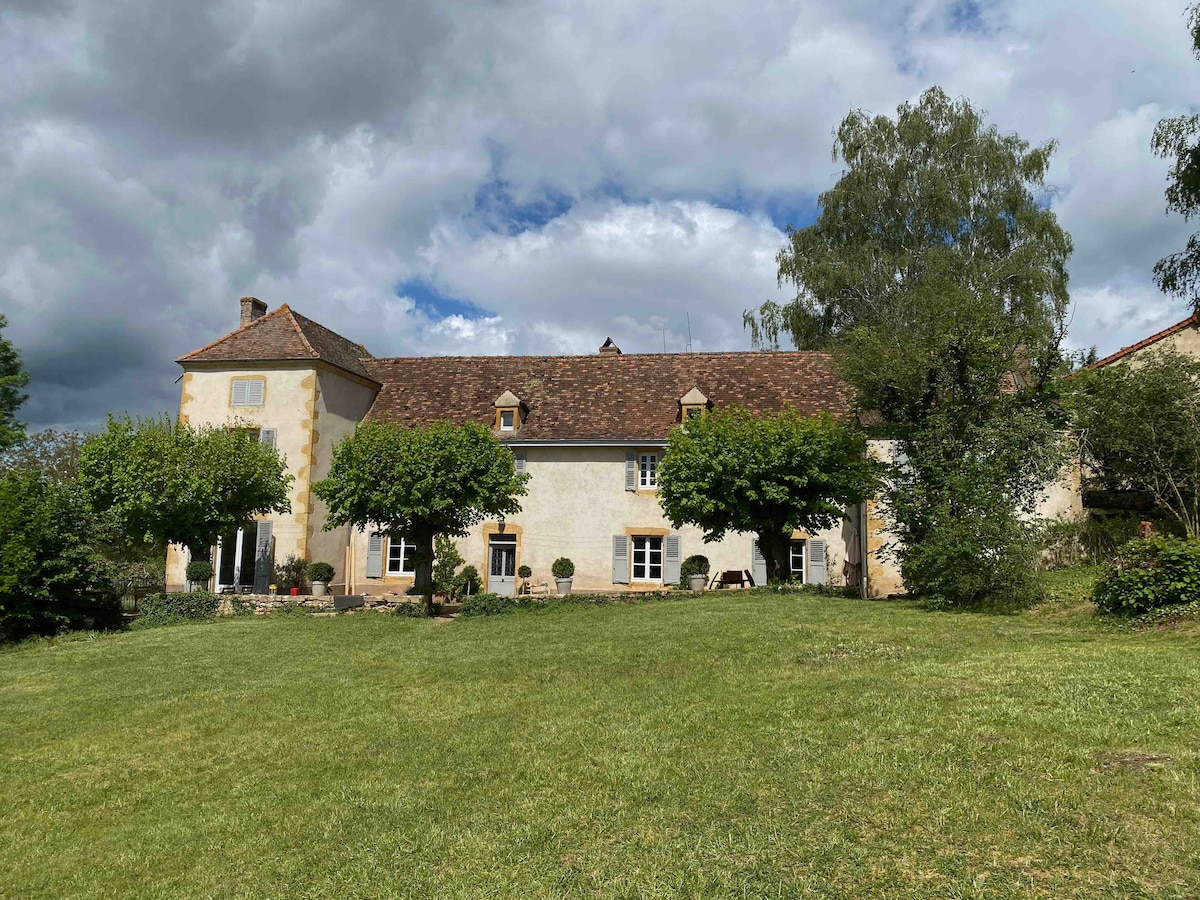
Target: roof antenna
688 348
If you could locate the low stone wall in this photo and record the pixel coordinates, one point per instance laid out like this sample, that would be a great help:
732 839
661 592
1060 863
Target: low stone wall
261 604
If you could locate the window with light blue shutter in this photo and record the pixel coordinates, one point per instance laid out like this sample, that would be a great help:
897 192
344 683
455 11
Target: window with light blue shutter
817 571
758 564
247 392
519 461
267 436
264 556
620 559
375 555
672 553
631 471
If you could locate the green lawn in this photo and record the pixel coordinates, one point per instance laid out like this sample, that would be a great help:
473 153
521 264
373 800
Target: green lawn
727 747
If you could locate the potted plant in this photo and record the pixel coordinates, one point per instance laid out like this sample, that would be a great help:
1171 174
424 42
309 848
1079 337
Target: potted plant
198 573
562 570
694 572
524 573
292 572
320 574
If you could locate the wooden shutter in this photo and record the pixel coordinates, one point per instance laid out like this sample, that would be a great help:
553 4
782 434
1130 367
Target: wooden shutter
672 550
267 436
238 397
758 565
375 555
817 573
519 461
254 392
631 471
264 567
620 559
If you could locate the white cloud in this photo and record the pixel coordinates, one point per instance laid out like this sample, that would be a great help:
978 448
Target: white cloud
160 159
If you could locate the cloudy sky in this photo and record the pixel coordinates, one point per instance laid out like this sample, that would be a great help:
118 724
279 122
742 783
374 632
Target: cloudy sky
454 176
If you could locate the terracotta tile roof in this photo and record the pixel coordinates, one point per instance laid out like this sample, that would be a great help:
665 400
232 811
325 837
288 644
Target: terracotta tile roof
284 334
1145 342
602 397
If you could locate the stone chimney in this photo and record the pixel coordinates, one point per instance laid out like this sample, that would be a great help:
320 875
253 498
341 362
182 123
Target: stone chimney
252 308
609 347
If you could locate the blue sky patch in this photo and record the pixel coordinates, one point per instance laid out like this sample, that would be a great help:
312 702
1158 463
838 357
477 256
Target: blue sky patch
437 305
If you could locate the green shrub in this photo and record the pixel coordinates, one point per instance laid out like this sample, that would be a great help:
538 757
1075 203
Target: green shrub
320 571
492 604
410 610
50 577
446 560
469 581
562 568
524 572
172 609
1150 574
199 570
291 573
693 565
975 561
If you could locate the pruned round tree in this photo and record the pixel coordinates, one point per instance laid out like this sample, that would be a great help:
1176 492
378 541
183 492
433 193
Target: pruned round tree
170 483
730 471
418 483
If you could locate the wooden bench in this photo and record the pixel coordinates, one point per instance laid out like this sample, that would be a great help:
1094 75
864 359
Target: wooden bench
731 578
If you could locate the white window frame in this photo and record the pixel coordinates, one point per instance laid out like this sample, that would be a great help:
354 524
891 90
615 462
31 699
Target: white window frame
511 424
647 562
404 546
648 471
800 546
248 396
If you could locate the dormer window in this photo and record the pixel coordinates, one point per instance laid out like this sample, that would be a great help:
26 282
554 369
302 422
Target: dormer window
508 412
692 404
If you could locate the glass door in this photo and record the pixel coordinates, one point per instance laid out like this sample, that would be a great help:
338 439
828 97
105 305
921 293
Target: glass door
502 564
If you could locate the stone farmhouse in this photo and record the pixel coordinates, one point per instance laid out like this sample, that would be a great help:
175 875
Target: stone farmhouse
590 431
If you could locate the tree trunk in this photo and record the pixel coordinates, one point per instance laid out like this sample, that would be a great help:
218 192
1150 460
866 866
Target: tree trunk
776 549
423 566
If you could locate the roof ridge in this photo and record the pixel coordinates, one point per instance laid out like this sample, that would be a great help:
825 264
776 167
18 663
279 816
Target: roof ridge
291 314
337 334
1144 342
241 329
608 357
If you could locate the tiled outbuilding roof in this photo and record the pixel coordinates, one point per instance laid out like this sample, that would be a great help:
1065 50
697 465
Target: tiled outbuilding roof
608 396
284 335
1190 321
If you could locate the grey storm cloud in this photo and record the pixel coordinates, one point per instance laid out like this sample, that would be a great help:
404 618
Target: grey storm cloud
568 171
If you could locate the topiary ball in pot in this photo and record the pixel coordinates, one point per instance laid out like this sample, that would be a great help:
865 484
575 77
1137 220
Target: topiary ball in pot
198 572
524 572
320 574
693 573
563 570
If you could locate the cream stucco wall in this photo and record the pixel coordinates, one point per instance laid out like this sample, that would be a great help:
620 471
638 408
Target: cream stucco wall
310 408
576 502
341 404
